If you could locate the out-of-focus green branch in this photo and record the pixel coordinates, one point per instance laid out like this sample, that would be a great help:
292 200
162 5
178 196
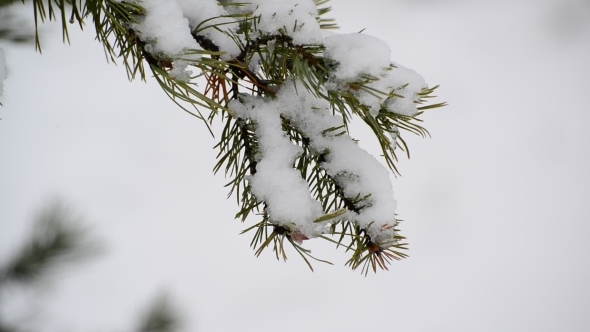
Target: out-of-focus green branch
57 238
161 316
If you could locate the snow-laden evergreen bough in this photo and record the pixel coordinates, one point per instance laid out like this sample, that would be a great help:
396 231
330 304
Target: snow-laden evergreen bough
284 87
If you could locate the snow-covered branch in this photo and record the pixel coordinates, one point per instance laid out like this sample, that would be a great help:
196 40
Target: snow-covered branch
286 86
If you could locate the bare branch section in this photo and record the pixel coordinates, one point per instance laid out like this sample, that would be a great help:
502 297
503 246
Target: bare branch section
285 89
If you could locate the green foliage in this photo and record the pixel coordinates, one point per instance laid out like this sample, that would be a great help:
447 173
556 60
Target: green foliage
160 316
58 240
225 80
12 27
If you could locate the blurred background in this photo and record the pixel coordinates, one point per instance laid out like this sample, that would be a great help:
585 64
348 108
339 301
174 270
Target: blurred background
495 203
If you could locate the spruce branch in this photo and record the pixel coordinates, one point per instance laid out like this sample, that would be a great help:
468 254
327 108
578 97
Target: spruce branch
263 65
160 316
57 239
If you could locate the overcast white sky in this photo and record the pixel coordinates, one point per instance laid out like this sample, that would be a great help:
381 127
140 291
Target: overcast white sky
496 202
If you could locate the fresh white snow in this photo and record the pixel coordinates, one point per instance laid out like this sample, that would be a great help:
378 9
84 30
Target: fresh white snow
281 186
165 28
276 181
358 56
291 19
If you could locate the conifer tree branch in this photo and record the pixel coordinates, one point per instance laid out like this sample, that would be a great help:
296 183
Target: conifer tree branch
57 239
247 64
160 316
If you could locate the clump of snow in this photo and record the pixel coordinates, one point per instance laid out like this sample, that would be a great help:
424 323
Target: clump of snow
308 6
254 64
356 171
359 56
289 18
408 84
281 186
204 14
276 182
3 71
393 137
165 28
180 71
